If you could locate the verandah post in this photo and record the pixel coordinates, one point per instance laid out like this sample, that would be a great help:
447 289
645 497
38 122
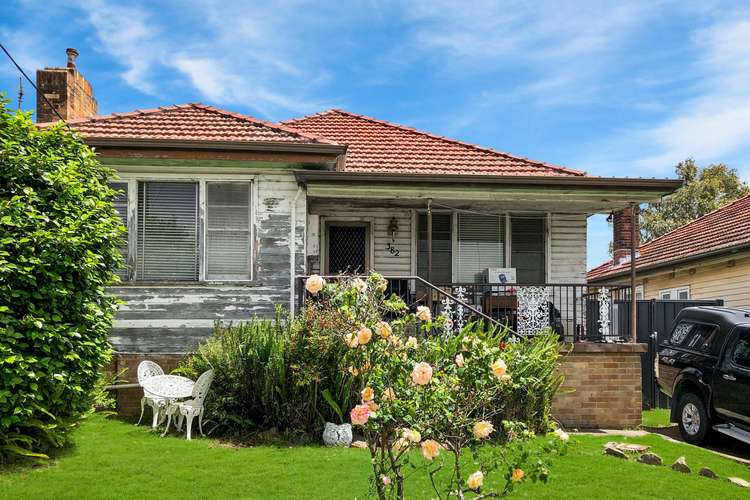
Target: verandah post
633 303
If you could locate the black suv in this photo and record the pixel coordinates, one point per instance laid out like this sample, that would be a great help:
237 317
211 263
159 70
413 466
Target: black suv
704 367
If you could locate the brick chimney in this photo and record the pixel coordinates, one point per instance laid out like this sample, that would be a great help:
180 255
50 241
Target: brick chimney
622 223
66 89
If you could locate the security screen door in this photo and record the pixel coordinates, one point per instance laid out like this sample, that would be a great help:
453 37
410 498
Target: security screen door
347 245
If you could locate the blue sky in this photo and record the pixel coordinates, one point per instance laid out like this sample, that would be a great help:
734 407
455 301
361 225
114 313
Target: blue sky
613 88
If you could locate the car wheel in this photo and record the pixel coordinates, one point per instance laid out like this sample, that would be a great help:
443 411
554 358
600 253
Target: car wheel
692 418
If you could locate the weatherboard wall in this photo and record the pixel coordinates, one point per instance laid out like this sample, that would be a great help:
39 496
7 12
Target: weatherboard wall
174 317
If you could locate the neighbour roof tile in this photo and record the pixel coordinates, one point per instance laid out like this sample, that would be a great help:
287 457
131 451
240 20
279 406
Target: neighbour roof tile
190 122
725 228
379 146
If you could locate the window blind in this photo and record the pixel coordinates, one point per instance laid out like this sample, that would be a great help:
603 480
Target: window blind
528 249
167 231
481 244
228 244
121 206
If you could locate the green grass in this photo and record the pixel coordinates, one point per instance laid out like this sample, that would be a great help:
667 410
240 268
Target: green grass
114 459
656 418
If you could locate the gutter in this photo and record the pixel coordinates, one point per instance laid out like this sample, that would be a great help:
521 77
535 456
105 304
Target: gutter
657 185
281 147
672 263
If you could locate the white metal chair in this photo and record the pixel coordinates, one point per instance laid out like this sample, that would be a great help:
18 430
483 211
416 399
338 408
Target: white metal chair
192 407
146 370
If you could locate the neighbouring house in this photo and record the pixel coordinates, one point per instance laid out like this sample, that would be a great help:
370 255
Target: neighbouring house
708 258
226 213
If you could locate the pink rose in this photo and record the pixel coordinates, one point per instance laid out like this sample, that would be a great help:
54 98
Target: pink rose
360 414
422 373
314 284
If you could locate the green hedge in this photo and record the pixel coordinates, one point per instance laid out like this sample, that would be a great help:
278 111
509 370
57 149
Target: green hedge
59 236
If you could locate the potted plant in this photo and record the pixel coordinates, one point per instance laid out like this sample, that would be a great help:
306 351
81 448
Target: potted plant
337 434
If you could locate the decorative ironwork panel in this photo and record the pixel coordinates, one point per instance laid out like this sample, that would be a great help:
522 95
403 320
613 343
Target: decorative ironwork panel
605 304
447 313
533 310
460 294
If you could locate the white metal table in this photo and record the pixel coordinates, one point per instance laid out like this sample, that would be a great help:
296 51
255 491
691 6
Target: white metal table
169 388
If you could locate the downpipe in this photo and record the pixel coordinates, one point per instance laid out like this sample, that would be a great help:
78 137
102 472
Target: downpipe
293 249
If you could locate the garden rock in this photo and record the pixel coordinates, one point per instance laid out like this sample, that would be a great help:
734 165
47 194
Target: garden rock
650 459
337 435
359 444
706 472
738 481
680 465
613 451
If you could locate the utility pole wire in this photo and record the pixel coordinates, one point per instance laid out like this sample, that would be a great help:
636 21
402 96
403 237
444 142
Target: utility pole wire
34 85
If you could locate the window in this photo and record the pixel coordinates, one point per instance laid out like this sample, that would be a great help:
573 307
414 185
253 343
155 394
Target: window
228 231
679 293
167 231
442 266
695 336
481 244
528 249
639 292
121 206
741 351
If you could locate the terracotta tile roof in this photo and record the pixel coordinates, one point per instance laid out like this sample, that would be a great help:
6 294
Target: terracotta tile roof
723 229
190 122
379 146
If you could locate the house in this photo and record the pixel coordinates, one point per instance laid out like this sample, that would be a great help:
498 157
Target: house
708 258
226 212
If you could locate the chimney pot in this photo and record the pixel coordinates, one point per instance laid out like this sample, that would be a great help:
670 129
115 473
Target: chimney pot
72 54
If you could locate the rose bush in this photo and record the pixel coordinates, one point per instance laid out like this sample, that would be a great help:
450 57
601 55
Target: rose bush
443 397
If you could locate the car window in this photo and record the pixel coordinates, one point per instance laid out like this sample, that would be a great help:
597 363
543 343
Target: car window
741 351
696 336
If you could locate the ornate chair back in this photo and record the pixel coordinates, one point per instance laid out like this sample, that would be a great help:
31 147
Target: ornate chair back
200 389
148 369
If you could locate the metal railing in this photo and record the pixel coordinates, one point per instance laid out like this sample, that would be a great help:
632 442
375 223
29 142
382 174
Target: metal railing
576 312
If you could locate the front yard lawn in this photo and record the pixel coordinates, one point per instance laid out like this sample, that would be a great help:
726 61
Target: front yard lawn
114 459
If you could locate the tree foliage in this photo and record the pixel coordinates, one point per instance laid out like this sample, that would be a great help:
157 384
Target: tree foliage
705 190
59 236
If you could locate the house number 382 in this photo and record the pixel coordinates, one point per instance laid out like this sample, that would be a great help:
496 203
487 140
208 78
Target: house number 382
392 250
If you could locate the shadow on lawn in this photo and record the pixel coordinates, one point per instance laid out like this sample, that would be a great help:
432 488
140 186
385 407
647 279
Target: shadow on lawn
717 442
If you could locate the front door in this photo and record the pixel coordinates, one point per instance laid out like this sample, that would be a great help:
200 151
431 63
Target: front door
347 245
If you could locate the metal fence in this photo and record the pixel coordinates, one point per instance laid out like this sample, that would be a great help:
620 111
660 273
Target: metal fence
576 312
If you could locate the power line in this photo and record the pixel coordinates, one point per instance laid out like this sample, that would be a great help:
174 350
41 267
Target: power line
33 85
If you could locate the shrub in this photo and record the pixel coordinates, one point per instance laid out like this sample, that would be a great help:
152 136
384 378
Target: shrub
59 236
271 374
443 395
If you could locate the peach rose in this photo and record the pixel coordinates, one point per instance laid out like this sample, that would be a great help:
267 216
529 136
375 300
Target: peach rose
360 414
423 313
367 394
364 335
373 405
430 449
476 480
422 373
460 360
353 371
562 435
389 394
411 343
314 284
395 341
482 429
517 475
359 285
411 435
401 444
499 368
383 329
351 340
